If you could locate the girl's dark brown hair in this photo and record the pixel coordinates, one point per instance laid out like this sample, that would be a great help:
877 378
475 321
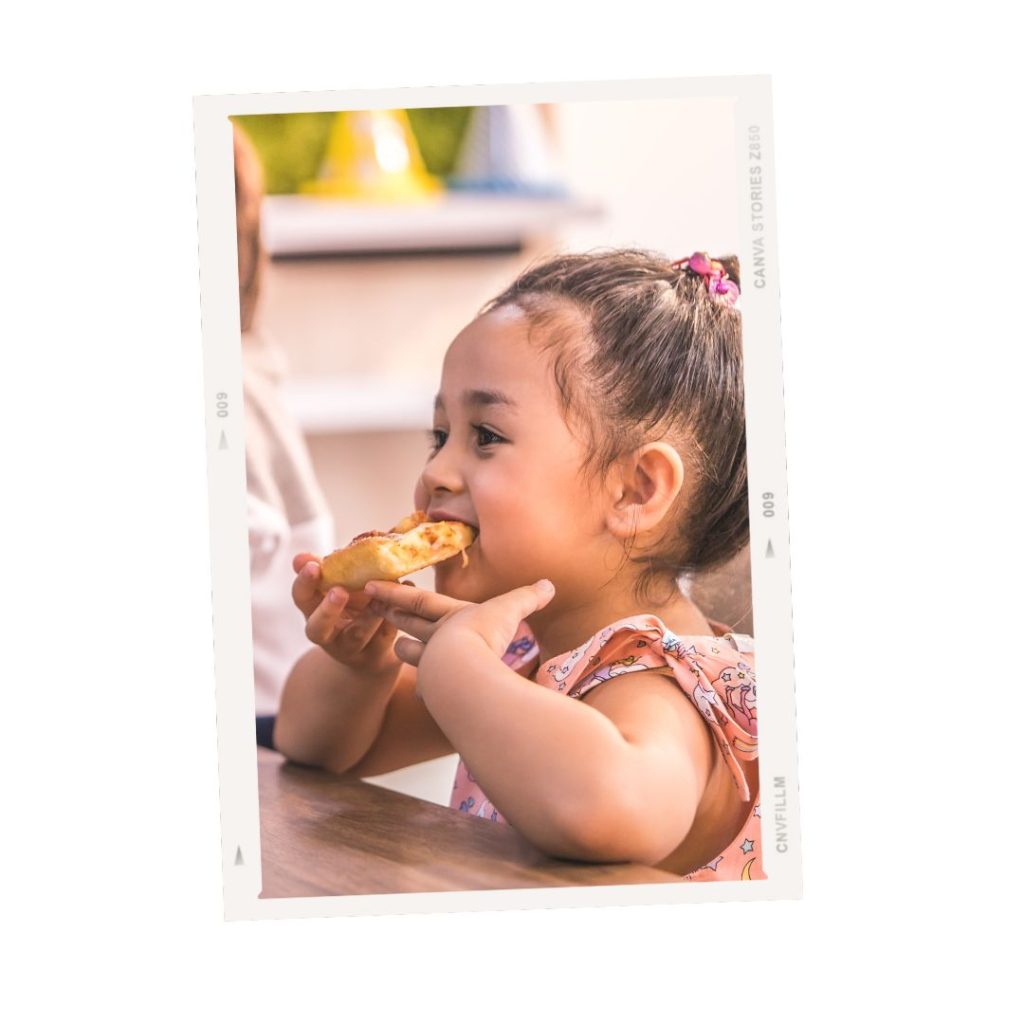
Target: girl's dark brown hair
642 352
248 197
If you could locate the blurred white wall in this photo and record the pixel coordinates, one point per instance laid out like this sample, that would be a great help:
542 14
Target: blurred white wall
665 171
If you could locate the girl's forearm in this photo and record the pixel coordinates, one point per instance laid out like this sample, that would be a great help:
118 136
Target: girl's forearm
330 715
558 770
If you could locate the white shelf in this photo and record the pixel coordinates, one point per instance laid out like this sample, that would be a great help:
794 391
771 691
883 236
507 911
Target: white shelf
333 405
311 225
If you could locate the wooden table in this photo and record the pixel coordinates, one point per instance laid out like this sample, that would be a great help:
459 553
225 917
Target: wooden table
323 835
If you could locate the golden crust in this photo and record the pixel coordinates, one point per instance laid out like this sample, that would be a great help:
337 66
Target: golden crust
410 546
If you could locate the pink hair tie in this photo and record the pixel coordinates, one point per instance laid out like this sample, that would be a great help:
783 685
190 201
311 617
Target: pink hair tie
720 288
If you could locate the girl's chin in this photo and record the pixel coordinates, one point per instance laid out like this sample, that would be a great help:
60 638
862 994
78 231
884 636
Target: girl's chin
460 583
452 581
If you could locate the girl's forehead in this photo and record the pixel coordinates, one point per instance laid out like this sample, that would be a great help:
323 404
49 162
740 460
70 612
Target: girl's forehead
503 328
494 352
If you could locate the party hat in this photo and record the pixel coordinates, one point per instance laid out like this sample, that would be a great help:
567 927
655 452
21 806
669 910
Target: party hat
372 155
505 149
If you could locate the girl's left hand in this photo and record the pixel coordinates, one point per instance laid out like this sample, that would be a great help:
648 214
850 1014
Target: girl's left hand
423 614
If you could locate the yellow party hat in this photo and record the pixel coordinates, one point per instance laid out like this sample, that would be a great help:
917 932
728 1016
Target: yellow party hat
372 155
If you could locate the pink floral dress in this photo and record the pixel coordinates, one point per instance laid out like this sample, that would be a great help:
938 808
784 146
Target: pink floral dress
715 672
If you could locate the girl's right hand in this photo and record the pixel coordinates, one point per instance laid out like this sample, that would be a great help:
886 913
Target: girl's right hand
340 623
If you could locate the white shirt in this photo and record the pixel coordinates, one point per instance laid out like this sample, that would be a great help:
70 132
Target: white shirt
278 627
287 513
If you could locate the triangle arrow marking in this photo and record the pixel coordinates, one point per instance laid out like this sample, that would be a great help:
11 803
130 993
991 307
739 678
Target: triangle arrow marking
238 858
770 553
223 441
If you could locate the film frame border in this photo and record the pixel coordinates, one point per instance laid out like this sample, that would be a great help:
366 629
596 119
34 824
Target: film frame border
767 482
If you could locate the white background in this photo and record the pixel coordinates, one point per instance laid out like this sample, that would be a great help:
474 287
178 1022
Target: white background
900 227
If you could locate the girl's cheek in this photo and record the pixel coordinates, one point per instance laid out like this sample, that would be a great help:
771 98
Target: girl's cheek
420 496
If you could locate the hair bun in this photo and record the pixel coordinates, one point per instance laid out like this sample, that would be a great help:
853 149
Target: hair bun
721 277
732 268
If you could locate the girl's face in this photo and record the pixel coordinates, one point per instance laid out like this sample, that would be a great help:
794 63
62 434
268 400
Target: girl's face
503 460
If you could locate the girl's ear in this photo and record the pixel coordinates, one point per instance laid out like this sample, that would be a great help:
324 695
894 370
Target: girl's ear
644 488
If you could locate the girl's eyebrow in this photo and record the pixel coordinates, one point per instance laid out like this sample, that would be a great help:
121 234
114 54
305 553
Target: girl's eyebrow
478 398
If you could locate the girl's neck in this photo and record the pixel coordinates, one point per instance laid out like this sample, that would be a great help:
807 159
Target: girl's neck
565 628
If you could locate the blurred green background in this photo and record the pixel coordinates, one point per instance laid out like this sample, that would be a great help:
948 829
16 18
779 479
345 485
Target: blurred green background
291 146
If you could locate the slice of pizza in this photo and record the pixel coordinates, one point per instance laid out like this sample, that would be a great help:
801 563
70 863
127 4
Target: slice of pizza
413 544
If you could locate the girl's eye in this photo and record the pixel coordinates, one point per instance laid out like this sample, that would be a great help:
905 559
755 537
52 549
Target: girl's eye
485 438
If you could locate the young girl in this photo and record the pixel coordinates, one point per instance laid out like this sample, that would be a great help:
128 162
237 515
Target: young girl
590 426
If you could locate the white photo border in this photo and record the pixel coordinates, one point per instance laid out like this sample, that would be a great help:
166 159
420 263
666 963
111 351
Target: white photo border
766 455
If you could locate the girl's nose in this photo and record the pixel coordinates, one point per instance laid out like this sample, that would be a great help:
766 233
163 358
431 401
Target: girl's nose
441 473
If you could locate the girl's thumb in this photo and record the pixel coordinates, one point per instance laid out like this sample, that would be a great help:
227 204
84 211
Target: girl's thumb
529 599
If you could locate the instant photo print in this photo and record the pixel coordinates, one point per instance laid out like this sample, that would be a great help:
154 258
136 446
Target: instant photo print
545 317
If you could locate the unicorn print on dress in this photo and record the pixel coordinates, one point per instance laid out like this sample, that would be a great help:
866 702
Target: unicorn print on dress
519 648
674 648
562 672
609 671
713 865
482 810
741 699
705 698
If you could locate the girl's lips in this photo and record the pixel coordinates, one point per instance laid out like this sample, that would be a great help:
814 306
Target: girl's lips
441 516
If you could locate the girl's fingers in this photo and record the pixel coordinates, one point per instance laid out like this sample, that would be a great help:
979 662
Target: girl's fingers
524 601
420 628
361 631
409 650
497 620
382 640
301 559
421 604
342 624
404 598
327 617
305 588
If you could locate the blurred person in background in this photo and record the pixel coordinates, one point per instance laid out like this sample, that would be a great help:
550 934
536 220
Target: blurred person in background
287 512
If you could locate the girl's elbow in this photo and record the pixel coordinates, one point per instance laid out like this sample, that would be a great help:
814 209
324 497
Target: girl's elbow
290 741
640 845
616 831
